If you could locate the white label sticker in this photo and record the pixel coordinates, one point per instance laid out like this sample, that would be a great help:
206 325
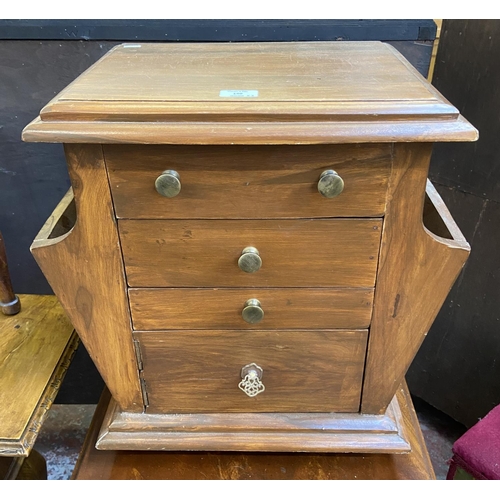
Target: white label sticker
239 93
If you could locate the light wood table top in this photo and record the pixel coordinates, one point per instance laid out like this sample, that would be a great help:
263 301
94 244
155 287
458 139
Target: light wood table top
36 347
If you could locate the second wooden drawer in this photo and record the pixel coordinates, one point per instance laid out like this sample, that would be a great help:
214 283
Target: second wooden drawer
295 253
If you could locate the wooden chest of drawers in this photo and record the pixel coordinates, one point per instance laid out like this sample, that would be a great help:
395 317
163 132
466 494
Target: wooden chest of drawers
257 253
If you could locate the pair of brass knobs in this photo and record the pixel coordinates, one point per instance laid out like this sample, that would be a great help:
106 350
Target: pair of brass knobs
330 184
250 262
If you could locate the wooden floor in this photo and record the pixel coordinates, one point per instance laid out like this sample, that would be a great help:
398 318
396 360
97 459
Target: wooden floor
95 464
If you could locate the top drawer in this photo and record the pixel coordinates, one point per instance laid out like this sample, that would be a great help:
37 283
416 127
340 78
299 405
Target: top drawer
248 182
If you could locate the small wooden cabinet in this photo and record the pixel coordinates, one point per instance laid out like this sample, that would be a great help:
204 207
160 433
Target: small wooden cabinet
256 253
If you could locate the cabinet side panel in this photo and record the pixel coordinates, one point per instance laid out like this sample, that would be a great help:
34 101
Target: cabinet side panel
416 272
85 269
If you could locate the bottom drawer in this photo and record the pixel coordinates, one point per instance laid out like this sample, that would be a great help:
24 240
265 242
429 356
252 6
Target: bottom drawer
302 371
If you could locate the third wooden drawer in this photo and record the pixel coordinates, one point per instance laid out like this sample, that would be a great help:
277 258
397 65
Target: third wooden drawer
284 308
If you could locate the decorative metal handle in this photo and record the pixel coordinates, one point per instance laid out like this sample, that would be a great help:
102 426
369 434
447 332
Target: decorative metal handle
251 383
330 184
250 261
168 183
252 311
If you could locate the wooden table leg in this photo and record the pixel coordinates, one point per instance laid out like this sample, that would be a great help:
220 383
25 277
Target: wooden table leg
32 467
9 302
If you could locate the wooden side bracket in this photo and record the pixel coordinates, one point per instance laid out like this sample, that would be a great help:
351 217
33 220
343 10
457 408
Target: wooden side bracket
417 268
84 267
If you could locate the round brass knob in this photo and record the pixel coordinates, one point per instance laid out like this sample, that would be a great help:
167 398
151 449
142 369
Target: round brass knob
250 261
252 311
168 183
330 184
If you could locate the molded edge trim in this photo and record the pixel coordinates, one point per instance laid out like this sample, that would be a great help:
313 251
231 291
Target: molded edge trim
255 133
275 432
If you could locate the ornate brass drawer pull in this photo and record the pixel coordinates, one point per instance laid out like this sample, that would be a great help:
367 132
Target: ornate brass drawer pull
168 183
330 184
251 376
252 311
250 261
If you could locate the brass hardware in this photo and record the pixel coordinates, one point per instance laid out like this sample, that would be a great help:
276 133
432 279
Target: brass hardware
138 355
252 311
251 383
144 390
330 184
168 184
250 261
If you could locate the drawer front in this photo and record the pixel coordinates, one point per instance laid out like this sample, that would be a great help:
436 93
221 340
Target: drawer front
248 182
297 253
283 308
303 371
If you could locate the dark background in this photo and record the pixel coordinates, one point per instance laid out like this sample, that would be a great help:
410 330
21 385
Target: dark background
455 369
458 367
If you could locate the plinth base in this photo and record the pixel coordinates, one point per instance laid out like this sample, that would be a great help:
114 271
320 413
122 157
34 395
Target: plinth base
269 432
111 464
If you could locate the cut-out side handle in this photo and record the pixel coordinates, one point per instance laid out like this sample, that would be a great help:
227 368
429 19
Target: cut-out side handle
78 251
60 223
438 221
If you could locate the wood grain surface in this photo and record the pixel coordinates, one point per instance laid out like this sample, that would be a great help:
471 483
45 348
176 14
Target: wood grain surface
239 182
266 133
245 110
256 432
416 272
136 465
85 269
305 94
281 72
220 309
193 253
309 371
326 92
36 347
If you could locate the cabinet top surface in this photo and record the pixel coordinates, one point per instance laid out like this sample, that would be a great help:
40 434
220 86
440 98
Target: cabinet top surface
275 72
260 83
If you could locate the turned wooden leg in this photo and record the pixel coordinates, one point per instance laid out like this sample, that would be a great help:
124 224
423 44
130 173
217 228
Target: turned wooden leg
9 303
32 467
